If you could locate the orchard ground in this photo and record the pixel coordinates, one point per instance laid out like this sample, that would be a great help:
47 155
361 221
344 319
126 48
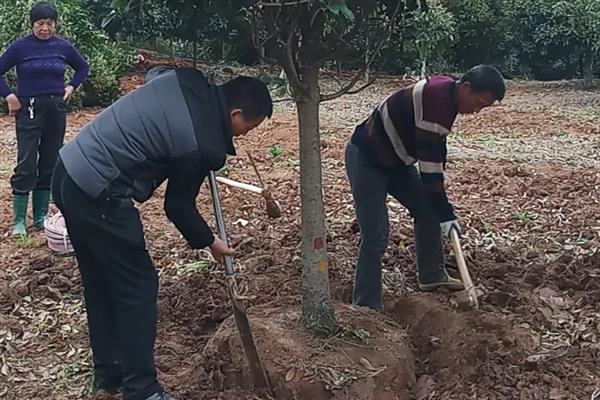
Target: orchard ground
524 178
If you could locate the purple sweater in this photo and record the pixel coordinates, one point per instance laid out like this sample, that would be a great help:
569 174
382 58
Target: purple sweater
411 126
41 66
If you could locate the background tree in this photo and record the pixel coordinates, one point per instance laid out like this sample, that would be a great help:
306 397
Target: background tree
302 37
141 23
305 37
432 32
480 32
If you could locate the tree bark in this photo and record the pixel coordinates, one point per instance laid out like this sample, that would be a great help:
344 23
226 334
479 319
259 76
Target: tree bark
195 52
316 299
588 69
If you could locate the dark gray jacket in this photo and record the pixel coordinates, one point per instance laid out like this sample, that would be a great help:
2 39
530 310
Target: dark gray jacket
175 127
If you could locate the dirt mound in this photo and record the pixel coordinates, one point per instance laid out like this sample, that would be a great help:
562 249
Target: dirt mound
419 348
456 346
476 354
368 360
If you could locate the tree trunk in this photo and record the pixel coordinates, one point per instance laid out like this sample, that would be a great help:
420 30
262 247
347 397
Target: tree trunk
317 308
588 69
195 52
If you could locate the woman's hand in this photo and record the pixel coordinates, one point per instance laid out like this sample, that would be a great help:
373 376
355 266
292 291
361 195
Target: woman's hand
14 105
68 93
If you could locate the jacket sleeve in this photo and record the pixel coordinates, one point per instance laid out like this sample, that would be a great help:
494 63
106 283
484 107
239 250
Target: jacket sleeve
431 155
7 60
430 145
186 175
79 64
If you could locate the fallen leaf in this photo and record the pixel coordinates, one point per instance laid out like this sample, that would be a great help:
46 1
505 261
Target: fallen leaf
71 353
424 387
48 302
557 394
367 364
289 375
546 312
241 221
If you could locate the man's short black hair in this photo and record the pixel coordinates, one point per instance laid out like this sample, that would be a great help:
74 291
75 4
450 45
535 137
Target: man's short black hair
249 95
485 78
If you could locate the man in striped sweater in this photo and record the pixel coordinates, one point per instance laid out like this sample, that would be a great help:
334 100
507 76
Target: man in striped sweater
410 127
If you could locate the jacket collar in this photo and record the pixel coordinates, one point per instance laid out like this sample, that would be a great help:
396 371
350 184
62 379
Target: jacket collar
219 96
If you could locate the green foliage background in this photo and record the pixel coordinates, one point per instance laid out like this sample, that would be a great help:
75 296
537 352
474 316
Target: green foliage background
536 39
108 59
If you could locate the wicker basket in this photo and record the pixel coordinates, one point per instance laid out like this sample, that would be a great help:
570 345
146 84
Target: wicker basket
57 236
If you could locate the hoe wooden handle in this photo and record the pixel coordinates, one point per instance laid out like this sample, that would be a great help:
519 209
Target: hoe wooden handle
239 185
462 268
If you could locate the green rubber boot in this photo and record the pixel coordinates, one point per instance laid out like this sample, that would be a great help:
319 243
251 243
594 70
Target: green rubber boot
20 202
40 201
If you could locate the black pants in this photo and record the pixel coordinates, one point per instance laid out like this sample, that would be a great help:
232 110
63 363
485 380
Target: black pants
120 284
40 126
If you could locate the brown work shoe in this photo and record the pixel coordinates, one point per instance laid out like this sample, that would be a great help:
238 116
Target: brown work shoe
446 282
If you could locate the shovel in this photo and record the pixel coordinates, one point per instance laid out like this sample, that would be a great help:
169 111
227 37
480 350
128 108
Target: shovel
239 309
462 268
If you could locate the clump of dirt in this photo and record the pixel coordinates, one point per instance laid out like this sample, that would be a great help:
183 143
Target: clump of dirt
182 305
368 360
455 349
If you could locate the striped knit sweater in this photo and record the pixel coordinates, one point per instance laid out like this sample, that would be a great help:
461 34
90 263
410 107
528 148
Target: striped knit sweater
411 126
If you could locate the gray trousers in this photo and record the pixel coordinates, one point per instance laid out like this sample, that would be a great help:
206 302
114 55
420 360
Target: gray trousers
370 187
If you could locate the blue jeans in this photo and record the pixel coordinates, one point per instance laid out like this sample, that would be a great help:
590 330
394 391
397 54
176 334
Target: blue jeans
370 187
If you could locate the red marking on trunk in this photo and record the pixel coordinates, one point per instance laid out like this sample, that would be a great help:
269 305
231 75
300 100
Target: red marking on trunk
318 243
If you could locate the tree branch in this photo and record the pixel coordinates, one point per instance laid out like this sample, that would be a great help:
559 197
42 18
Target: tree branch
283 46
354 81
311 28
338 50
363 87
360 89
264 42
288 64
345 89
334 77
283 4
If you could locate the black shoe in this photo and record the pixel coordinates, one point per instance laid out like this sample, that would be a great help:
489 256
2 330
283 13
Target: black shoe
445 281
160 396
110 386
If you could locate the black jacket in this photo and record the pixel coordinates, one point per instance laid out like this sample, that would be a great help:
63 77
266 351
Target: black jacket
175 127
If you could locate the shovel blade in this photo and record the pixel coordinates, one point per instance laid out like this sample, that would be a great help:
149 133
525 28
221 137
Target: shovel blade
256 367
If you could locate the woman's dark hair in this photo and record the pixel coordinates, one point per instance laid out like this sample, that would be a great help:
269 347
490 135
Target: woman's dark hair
485 78
249 95
43 10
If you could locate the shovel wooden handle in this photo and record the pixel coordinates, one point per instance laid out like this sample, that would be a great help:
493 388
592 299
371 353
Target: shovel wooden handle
462 268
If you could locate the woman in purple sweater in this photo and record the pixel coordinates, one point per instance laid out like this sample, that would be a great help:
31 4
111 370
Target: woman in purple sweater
39 105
